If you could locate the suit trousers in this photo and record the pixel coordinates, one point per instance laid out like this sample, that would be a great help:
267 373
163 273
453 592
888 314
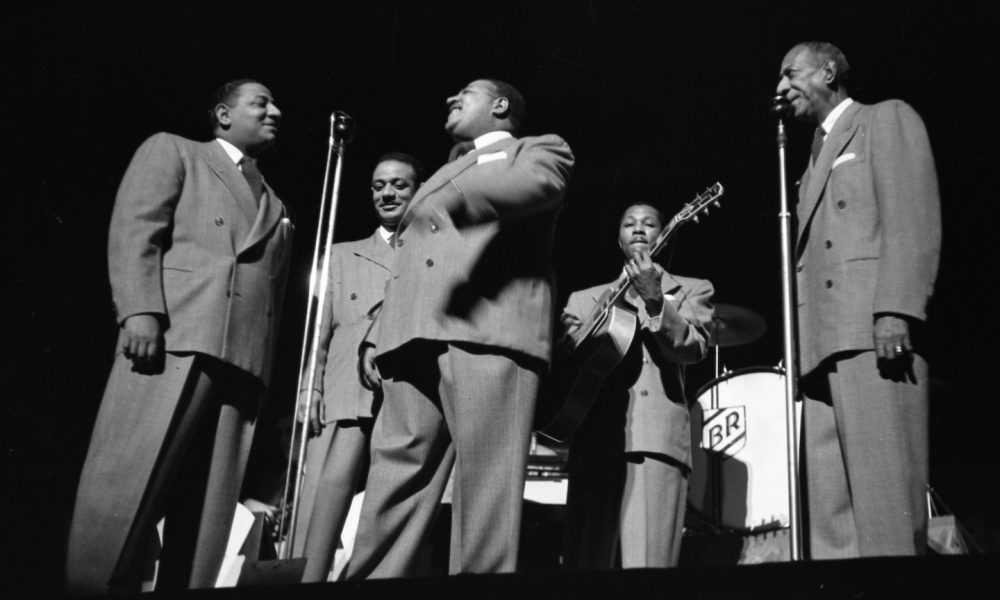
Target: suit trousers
865 450
332 479
172 444
633 502
447 404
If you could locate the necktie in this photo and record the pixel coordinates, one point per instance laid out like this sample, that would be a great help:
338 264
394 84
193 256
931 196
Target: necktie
817 144
253 177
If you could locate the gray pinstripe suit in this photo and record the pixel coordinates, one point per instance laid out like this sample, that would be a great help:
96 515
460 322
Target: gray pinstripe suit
464 333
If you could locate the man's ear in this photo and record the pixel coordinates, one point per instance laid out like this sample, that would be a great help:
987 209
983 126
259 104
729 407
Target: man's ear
222 115
829 73
501 108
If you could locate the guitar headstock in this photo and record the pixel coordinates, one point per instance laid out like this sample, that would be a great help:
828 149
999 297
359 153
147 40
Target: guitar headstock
700 204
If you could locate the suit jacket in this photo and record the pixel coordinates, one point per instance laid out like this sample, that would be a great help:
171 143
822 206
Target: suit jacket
649 382
869 229
187 242
481 274
358 273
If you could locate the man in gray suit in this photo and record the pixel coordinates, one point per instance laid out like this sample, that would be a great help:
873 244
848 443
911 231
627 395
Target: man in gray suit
630 459
868 246
344 409
463 336
198 256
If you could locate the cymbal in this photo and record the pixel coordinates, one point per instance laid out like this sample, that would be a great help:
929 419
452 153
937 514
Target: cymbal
734 326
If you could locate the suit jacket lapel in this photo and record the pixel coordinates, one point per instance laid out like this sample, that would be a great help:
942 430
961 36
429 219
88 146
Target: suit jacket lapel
377 251
233 179
815 178
452 169
268 215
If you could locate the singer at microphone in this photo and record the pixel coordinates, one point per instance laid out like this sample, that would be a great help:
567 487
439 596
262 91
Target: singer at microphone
197 324
870 238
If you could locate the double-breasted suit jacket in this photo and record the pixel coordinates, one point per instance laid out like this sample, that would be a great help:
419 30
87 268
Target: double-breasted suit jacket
189 244
359 271
641 410
869 241
482 275
869 229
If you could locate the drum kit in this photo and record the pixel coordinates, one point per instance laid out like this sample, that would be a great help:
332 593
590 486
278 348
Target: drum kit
739 481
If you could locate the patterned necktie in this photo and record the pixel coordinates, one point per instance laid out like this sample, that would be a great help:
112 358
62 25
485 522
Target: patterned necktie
817 144
249 167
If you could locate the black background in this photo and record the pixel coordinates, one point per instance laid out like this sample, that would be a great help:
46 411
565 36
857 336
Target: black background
657 100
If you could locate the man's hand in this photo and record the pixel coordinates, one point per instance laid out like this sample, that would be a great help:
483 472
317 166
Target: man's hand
317 412
892 337
143 339
570 323
646 276
369 372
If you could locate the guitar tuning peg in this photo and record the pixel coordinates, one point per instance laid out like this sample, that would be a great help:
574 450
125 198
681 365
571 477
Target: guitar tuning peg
716 203
695 219
706 210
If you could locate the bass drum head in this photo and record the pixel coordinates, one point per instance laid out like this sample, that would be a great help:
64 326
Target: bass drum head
739 476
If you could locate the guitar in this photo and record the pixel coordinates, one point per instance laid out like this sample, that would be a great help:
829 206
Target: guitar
584 356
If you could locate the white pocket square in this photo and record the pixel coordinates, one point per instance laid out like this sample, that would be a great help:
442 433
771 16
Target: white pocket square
485 158
842 159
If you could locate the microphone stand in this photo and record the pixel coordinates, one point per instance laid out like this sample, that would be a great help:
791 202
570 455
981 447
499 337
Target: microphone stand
341 132
780 108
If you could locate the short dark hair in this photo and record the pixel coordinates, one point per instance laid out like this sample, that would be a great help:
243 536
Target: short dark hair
518 109
226 94
825 51
406 159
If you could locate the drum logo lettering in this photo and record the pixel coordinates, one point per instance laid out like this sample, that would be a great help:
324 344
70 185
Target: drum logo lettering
724 430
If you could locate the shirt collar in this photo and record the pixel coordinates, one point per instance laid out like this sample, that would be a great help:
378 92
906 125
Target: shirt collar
492 137
831 119
384 233
234 153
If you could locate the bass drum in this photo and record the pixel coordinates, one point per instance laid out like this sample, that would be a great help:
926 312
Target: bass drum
739 476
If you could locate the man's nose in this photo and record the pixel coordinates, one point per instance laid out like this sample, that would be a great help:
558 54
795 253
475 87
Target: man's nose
451 99
273 111
783 86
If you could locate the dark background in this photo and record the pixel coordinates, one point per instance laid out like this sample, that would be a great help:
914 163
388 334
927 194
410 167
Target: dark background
657 100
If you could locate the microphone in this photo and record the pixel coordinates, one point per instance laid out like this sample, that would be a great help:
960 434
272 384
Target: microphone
341 127
781 106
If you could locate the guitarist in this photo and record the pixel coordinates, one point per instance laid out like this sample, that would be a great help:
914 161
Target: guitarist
629 460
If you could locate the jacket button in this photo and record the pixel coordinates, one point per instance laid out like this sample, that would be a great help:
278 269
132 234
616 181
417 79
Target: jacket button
228 293
829 244
643 393
841 204
798 268
219 221
430 263
829 284
354 296
370 316
434 228
399 243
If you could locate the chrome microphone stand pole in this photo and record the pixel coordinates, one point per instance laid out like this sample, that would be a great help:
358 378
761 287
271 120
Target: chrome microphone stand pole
780 108
341 132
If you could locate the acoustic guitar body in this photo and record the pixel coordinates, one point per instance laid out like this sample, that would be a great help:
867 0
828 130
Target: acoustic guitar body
578 372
